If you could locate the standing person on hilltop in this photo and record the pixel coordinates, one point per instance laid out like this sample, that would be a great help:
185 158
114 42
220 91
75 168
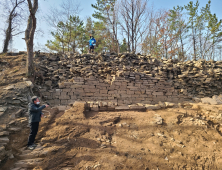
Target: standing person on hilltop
92 43
35 114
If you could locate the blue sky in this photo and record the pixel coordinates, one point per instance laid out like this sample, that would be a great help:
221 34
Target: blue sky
87 10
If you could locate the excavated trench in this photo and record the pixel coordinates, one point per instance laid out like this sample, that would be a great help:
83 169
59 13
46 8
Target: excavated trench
173 138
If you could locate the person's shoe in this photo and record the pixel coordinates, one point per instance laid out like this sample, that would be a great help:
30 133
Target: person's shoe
34 145
31 147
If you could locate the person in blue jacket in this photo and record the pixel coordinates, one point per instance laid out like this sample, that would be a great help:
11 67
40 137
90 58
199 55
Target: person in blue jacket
35 114
92 44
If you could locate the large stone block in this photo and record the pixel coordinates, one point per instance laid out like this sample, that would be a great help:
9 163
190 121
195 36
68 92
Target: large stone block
136 107
158 93
75 86
66 90
215 100
64 102
103 91
64 97
152 107
126 107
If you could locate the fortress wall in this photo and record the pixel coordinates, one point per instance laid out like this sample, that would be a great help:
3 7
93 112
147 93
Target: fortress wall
125 79
131 89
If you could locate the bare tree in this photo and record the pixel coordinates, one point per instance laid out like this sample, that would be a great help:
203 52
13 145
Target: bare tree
133 15
107 11
29 36
112 21
12 10
62 14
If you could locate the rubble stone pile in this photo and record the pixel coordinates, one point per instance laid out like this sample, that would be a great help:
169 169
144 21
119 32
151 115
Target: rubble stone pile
125 79
13 113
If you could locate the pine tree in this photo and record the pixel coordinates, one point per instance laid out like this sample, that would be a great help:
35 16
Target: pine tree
192 10
105 11
178 25
123 47
67 36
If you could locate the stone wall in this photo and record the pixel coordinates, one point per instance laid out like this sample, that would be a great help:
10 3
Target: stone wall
125 79
136 89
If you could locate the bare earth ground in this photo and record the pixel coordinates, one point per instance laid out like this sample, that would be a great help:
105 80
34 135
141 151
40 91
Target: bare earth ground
128 140
12 69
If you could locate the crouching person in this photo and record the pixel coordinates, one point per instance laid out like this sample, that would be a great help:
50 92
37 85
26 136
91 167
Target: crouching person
35 114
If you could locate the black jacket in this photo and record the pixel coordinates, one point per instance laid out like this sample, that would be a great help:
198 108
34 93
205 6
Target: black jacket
35 112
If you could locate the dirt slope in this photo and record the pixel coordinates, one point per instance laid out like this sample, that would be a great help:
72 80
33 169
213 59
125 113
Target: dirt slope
12 69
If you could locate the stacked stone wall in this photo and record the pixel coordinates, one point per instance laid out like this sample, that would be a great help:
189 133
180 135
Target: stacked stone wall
136 89
125 79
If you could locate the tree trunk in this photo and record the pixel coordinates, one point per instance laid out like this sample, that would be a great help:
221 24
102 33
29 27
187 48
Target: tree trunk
194 45
220 53
63 47
165 46
213 52
201 51
181 41
29 37
183 58
29 44
8 36
132 26
117 42
74 46
128 43
8 33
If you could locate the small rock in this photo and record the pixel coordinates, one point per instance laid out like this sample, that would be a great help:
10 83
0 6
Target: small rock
4 133
96 166
3 109
12 122
4 140
11 156
103 146
152 107
180 105
14 129
162 135
158 119
9 87
29 84
162 104
168 104
2 148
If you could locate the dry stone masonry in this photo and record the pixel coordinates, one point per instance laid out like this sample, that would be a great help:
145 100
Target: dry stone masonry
125 79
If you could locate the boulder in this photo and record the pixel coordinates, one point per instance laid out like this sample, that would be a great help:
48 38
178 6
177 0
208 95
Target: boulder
152 107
